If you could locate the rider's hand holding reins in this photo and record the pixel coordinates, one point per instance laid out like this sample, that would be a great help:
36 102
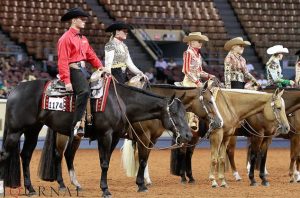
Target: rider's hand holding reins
69 87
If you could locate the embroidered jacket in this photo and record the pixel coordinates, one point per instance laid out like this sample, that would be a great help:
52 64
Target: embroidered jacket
117 56
192 66
274 74
235 69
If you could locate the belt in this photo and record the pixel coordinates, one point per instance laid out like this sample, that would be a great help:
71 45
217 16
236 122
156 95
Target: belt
118 65
77 65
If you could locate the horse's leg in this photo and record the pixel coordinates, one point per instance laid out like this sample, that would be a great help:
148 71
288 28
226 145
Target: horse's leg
297 174
254 149
221 160
61 143
264 151
188 159
215 142
147 176
143 158
69 156
230 153
105 149
30 141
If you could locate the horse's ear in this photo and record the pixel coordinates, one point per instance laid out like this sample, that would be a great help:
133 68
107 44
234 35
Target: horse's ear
183 95
280 93
172 98
205 85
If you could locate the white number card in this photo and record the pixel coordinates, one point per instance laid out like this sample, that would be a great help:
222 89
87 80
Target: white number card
56 104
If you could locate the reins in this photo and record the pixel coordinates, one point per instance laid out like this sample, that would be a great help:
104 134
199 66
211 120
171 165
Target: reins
135 133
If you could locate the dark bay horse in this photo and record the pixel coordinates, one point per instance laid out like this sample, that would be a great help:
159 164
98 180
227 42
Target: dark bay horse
234 106
261 133
198 100
149 131
25 116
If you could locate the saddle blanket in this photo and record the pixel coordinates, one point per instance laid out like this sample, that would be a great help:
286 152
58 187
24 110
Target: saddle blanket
66 102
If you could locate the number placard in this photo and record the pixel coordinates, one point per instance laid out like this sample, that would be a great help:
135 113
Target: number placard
56 104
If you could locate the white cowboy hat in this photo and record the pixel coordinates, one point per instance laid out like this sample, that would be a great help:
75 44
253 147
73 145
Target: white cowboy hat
235 41
277 49
195 36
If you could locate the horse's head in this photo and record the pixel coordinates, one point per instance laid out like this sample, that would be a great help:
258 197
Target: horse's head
274 110
174 120
208 103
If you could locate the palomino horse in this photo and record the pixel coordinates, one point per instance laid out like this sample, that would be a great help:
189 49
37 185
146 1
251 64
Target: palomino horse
235 106
198 100
25 116
261 132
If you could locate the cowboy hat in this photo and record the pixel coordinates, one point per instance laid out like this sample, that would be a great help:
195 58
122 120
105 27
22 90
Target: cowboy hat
277 49
195 36
74 13
235 41
118 26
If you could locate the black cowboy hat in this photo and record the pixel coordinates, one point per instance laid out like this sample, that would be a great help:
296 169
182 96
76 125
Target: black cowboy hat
74 13
298 53
118 26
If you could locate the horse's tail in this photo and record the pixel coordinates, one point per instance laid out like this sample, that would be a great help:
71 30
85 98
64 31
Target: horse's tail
12 169
176 160
129 159
47 168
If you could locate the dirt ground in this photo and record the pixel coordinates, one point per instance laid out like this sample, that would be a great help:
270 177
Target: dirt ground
165 185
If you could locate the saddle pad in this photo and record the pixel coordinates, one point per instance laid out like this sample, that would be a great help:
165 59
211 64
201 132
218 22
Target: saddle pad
101 101
57 103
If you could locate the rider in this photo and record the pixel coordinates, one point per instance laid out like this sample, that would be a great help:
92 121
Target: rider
192 68
193 61
73 50
235 69
297 68
117 57
273 67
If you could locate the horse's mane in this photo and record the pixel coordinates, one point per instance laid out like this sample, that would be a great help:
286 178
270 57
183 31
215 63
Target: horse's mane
286 89
141 91
244 91
168 86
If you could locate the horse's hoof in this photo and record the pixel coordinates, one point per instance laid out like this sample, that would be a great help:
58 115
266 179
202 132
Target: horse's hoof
143 189
238 180
183 181
214 184
62 189
192 181
106 194
265 183
31 193
149 184
78 188
253 184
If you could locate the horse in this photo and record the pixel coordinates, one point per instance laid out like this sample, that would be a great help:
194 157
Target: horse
198 100
261 138
24 115
150 130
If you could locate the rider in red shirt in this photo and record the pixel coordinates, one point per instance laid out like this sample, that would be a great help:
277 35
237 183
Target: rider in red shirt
73 50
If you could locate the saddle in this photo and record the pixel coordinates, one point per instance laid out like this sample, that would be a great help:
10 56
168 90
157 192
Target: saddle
57 89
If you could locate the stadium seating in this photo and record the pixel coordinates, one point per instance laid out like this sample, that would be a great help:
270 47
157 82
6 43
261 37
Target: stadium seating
37 24
269 22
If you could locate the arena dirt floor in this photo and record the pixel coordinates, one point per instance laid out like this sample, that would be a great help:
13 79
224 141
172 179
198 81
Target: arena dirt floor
168 186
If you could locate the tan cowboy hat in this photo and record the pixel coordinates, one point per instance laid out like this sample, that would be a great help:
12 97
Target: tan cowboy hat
277 49
195 36
235 41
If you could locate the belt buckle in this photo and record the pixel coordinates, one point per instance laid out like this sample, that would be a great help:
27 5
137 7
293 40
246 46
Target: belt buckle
123 69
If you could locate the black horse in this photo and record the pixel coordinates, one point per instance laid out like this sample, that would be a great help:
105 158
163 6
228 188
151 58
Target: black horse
24 115
198 100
